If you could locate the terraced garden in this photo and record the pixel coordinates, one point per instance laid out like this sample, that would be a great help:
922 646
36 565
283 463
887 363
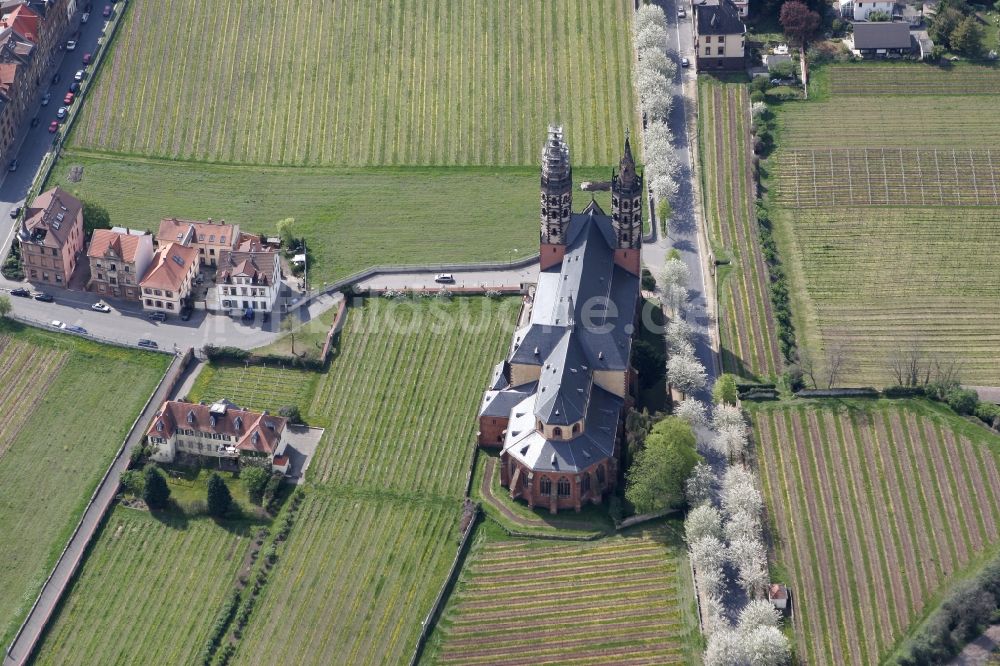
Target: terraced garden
255 387
626 600
149 590
905 202
749 341
875 508
57 420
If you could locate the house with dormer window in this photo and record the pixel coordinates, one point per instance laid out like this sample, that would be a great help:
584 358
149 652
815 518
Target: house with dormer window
248 279
168 281
219 430
118 261
51 237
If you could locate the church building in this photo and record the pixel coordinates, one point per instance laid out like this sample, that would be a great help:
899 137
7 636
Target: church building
554 406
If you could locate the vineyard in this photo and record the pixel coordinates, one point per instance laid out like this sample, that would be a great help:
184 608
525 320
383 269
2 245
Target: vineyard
875 507
58 422
364 83
622 600
881 215
256 387
149 590
906 79
746 319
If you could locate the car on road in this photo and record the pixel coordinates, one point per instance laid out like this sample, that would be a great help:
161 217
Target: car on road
157 316
12 166
85 17
86 58
80 73
42 296
68 99
45 99
35 121
107 11
71 45
681 13
75 329
74 87
100 306
446 278
150 344
685 62
20 291
14 212
55 323
186 312
61 113
53 127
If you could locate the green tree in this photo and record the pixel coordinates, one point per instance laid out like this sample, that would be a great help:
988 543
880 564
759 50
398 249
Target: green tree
649 362
657 478
132 482
963 401
967 37
944 24
5 305
219 498
255 479
286 230
95 216
724 391
292 413
155 492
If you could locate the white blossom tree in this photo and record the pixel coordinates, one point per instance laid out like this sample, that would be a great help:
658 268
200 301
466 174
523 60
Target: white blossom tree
650 35
730 442
758 613
691 410
725 648
713 614
753 577
702 521
686 374
678 331
675 272
729 416
739 492
708 553
700 486
655 58
766 646
742 525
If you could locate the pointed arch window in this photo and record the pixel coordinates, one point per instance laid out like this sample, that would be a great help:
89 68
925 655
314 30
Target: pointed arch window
563 487
586 483
545 486
557 432
600 476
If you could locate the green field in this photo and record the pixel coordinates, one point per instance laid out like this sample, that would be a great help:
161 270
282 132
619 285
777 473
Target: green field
256 387
355 83
746 323
621 600
885 229
148 591
875 508
60 431
351 218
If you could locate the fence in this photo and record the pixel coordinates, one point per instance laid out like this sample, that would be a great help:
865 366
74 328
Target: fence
101 501
338 324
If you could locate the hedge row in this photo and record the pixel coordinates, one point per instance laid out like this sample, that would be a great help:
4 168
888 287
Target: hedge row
236 355
780 298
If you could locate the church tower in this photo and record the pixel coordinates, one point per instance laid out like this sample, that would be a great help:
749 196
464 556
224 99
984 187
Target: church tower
626 211
557 198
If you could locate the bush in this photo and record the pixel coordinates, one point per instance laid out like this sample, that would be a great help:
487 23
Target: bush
648 281
757 96
155 492
132 482
291 412
219 499
649 363
903 391
255 480
271 491
724 391
963 401
988 413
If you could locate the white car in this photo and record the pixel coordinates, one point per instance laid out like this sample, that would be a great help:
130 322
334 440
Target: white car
681 13
61 113
100 306
444 277
85 17
71 45
79 75
57 324
685 62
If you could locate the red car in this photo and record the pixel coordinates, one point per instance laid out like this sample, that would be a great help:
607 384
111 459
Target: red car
86 58
107 11
68 99
53 127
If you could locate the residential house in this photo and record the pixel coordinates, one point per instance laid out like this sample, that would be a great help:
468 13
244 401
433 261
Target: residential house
248 279
220 430
167 283
209 238
51 237
858 10
118 261
880 40
720 37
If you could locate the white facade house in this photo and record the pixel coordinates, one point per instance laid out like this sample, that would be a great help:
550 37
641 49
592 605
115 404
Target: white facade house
858 10
248 281
220 430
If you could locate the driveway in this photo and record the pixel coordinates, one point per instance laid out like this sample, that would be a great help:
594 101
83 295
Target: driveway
302 444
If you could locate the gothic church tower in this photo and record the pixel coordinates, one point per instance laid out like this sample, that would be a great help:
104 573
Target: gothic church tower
557 198
626 211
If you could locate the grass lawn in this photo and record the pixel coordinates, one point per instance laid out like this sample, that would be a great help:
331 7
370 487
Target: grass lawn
306 340
876 508
189 490
907 202
364 83
148 592
351 218
67 405
623 599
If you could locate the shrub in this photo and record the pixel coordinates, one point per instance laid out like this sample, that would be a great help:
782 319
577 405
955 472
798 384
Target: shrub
255 480
988 413
219 499
963 401
724 390
132 482
291 412
155 492
648 281
757 96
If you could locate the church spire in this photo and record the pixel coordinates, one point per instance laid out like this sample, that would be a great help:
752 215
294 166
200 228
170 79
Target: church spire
626 208
556 193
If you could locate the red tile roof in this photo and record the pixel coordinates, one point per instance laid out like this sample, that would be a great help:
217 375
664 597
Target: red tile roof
777 591
251 431
169 266
123 246
24 20
173 230
51 217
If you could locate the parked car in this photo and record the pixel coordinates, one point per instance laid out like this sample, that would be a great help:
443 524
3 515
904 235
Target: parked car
12 166
107 11
80 73
35 121
74 87
681 13
45 99
186 312
685 62
20 291
444 278
150 344
14 212
157 316
55 323
42 296
61 113
85 17
53 127
86 58
75 329
100 306
68 99
71 45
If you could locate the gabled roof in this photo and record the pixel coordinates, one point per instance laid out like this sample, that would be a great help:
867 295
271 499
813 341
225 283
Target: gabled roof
169 267
719 19
50 218
260 266
23 20
881 35
173 230
251 431
107 242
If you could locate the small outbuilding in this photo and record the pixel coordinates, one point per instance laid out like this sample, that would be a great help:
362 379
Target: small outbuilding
777 594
